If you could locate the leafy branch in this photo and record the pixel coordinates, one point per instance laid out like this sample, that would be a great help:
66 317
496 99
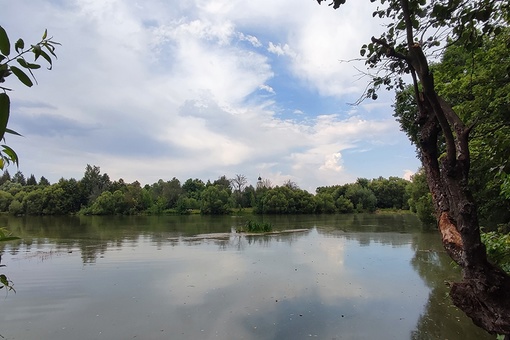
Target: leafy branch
45 48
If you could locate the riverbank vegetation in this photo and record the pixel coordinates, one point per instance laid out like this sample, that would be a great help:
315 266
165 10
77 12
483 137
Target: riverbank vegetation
96 194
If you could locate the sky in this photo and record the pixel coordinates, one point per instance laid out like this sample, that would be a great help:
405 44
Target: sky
157 89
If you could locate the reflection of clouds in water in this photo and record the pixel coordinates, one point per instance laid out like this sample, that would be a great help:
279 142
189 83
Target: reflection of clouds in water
199 271
280 270
276 286
324 259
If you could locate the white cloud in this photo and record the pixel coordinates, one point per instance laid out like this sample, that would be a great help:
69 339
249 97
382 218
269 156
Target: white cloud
281 50
267 88
154 90
250 38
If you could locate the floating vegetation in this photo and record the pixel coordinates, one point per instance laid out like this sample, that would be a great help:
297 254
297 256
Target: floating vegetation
255 227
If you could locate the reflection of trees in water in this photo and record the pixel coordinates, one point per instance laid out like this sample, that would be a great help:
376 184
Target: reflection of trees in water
94 235
440 318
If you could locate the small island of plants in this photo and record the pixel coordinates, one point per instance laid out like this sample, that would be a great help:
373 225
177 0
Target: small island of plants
255 227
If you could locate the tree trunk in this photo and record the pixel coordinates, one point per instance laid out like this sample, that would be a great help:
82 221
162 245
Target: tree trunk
484 292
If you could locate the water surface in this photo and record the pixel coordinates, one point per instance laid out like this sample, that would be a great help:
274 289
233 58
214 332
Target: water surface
344 277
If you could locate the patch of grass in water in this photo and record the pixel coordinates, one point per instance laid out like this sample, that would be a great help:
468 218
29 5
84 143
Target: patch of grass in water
256 227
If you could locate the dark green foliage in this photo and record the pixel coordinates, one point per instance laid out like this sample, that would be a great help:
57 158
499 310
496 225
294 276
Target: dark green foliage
361 197
477 84
5 177
498 248
390 193
31 180
193 188
215 200
344 205
284 200
19 178
43 181
186 204
93 183
420 199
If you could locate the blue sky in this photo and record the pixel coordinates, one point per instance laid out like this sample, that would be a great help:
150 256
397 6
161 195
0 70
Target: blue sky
155 89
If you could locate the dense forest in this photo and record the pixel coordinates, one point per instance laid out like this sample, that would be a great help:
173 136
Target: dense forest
97 194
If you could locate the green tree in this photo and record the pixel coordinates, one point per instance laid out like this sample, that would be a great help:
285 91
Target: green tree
5 177
33 202
31 180
224 183
215 200
136 199
420 199
248 196
390 193
361 197
286 200
43 181
344 205
16 208
19 178
193 188
54 201
412 29
108 203
5 200
73 197
477 84
186 204
166 194
93 183
325 203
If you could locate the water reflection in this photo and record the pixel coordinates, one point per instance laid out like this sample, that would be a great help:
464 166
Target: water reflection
346 277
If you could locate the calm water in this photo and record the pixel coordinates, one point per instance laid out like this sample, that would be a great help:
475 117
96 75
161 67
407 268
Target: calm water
344 277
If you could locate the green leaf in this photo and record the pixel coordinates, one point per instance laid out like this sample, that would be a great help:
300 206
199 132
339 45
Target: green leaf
45 34
24 63
12 132
5 45
21 76
44 55
5 106
19 45
11 154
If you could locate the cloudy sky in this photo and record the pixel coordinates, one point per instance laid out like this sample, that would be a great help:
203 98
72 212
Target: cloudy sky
156 89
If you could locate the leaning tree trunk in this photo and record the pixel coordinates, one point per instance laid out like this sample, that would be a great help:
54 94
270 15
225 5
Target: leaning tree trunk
484 292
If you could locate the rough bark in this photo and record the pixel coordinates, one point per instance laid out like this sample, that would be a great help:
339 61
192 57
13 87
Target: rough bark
484 292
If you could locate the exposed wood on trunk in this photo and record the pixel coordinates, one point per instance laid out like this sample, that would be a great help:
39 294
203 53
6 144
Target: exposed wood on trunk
452 240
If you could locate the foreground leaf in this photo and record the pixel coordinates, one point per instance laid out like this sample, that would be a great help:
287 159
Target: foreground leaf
11 155
4 113
22 76
5 45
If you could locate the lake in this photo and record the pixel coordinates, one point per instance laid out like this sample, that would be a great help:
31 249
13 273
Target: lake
360 276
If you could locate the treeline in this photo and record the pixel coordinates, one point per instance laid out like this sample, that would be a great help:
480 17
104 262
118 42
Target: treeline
96 194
